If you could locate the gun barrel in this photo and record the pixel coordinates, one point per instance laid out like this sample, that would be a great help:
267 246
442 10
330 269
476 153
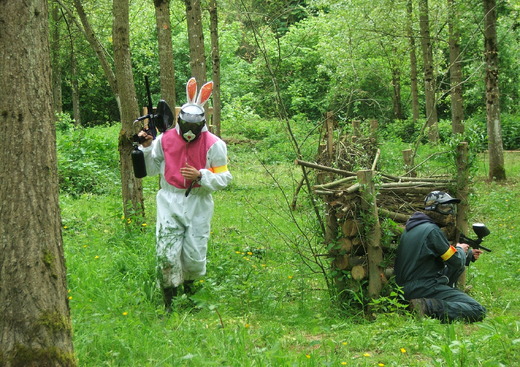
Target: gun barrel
148 95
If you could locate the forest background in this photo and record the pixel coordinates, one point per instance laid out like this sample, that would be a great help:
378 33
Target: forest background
284 64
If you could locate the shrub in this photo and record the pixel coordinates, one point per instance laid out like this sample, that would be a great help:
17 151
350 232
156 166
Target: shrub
88 159
510 131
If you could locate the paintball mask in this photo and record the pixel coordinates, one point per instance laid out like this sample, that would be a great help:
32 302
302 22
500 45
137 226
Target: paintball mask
191 118
441 202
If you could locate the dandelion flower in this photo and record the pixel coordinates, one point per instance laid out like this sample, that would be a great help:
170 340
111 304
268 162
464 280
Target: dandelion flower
403 350
290 277
144 225
343 363
380 364
249 253
308 356
344 343
96 257
366 354
125 313
247 326
70 297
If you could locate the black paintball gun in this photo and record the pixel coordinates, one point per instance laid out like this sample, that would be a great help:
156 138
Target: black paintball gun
481 231
159 120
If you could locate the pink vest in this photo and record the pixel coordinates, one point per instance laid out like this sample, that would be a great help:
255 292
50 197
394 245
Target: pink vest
178 152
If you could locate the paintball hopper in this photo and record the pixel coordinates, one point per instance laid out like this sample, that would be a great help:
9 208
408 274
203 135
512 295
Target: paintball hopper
481 231
164 116
160 121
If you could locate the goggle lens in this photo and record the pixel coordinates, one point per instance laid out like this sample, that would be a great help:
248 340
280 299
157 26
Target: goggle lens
449 208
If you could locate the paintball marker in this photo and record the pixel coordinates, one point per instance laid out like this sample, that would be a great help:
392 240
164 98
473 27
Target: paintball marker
481 231
160 121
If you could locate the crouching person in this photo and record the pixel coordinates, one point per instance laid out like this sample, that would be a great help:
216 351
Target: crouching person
428 267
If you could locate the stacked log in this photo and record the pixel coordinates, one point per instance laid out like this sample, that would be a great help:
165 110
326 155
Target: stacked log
396 199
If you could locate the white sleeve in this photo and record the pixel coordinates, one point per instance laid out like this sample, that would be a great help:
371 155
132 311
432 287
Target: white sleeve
216 176
153 157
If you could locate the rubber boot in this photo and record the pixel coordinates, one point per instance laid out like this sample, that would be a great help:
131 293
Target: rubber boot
188 288
168 294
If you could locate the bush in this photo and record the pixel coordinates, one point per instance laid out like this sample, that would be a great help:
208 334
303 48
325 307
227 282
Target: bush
510 131
88 159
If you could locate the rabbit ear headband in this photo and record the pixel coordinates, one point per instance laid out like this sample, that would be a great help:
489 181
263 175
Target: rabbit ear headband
204 94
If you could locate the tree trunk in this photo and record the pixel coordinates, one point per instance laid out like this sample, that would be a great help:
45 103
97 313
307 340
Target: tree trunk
413 64
96 46
457 109
463 183
164 38
196 40
429 77
35 325
132 188
496 150
74 85
396 83
215 63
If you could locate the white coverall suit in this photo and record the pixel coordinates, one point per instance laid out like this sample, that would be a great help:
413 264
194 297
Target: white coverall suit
183 222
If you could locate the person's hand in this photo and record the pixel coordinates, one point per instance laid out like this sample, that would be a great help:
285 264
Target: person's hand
148 138
190 173
477 253
463 246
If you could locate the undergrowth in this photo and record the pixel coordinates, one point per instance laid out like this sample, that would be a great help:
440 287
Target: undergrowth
260 303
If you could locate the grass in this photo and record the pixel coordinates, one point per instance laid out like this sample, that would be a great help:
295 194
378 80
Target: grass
261 304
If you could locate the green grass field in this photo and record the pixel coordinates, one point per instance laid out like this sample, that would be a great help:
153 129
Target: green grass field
261 304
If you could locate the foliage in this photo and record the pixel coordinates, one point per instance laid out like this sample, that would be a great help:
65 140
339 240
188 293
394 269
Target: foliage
316 56
510 131
88 160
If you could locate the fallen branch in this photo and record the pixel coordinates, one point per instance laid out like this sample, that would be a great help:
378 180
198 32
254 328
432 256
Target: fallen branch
335 183
324 168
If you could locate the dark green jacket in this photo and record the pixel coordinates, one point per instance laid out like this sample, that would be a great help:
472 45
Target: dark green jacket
423 252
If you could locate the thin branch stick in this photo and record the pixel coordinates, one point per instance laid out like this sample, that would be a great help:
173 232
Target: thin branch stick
334 183
376 159
324 168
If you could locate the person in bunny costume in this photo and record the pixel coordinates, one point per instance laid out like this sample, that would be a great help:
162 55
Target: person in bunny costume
192 163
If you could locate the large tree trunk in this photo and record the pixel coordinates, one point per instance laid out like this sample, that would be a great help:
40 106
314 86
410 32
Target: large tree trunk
413 64
164 39
35 326
496 150
429 77
196 40
215 63
457 107
132 188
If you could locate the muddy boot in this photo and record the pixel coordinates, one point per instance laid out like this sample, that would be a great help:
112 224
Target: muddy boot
189 288
168 294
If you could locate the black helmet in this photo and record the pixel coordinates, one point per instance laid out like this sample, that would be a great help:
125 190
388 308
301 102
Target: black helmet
440 202
191 120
